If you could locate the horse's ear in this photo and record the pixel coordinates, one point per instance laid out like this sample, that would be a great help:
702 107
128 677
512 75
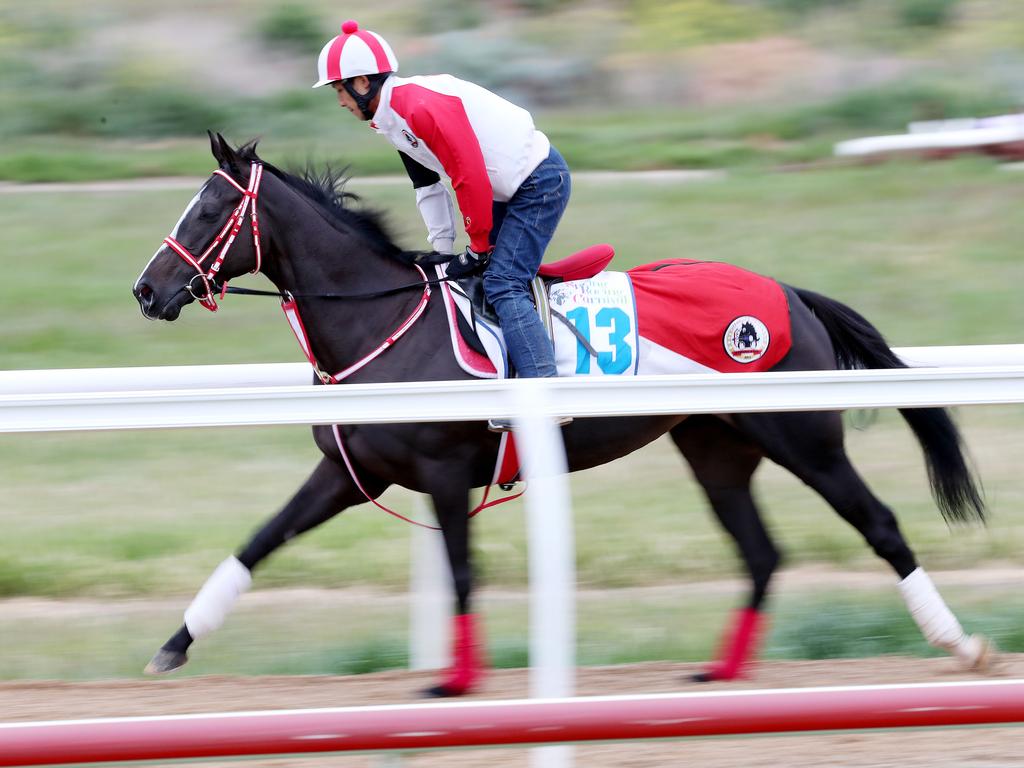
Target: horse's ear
223 152
214 145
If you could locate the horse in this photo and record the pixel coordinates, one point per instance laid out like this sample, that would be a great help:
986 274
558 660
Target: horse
337 267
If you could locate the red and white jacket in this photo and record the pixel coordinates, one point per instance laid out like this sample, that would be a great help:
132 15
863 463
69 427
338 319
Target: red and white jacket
485 145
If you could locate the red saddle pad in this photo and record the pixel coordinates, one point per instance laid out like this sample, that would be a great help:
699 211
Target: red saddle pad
719 315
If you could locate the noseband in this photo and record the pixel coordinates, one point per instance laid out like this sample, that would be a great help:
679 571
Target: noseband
208 279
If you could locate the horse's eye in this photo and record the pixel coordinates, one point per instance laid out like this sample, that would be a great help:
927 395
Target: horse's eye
208 214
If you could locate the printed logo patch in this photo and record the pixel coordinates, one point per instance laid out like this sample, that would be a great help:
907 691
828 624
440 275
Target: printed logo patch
411 139
746 339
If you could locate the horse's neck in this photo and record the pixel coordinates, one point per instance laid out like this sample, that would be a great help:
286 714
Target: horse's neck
314 258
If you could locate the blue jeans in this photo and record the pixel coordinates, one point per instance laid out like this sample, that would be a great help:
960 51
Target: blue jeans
522 229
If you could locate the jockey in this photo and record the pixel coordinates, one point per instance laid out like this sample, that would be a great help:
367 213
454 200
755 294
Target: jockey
511 184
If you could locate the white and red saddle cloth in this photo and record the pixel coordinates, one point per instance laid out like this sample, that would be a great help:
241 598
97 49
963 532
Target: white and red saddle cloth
671 316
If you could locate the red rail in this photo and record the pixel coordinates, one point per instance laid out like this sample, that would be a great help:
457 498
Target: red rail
476 723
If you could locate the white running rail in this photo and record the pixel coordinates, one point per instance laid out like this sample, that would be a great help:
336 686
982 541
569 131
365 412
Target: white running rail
295 374
481 399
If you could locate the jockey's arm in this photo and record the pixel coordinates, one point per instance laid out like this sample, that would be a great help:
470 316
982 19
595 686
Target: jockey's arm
440 121
434 203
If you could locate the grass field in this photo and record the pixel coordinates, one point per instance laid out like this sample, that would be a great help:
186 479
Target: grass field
929 252
315 632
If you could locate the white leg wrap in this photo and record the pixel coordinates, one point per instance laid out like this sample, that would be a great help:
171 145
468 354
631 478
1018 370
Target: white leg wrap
217 597
938 624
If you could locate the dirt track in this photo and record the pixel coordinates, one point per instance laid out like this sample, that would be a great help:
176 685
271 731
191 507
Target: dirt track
965 748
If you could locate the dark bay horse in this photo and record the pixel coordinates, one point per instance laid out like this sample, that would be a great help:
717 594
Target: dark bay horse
314 248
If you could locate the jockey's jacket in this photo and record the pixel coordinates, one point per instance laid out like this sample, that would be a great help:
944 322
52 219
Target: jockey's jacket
485 145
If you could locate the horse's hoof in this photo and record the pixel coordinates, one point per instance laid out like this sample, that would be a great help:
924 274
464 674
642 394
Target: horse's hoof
983 654
718 675
442 691
165 661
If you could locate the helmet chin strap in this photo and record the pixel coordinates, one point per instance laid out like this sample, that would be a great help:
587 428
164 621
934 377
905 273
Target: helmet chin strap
363 99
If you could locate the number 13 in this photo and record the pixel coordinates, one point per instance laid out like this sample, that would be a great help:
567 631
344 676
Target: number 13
616 360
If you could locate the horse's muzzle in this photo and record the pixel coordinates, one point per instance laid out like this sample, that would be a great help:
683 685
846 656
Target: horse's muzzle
148 300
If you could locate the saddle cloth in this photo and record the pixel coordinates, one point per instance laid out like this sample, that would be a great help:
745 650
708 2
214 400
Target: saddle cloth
671 316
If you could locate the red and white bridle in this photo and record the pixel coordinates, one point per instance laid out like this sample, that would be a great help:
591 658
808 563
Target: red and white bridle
230 230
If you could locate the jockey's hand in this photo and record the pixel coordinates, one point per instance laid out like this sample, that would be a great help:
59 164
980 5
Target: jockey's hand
468 263
424 258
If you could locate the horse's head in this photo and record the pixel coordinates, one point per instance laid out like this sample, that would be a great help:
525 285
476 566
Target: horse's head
209 245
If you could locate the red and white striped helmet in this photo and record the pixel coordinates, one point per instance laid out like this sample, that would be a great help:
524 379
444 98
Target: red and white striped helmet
352 53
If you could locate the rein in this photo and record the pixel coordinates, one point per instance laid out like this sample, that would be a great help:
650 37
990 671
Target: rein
432 282
484 504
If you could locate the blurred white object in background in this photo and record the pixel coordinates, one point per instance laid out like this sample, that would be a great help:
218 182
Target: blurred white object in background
1001 135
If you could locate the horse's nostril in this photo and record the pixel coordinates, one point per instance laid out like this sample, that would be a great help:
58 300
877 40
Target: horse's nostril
144 294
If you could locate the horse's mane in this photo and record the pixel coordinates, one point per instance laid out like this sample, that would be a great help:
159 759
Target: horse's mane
326 190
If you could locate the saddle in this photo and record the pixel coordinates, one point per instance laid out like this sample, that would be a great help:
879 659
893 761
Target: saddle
579 266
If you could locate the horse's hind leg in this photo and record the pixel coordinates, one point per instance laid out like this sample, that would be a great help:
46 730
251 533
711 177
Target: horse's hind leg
723 461
327 491
810 445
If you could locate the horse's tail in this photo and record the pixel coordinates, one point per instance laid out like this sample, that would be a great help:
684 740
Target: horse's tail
858 344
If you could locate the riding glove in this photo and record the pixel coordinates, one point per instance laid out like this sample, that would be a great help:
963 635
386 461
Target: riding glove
468 263
424 258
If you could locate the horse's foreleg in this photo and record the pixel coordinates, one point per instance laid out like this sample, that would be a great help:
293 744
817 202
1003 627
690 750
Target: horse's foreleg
327 491
723 462
451 504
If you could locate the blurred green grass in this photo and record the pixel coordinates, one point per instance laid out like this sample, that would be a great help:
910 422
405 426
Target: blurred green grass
942 237
131 514
297 632
929 252
299 126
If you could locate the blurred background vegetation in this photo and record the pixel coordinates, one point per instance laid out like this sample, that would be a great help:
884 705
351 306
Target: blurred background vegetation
115 89
107 536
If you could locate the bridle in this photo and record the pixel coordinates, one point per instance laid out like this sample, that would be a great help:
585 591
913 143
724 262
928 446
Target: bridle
211 288
208 278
